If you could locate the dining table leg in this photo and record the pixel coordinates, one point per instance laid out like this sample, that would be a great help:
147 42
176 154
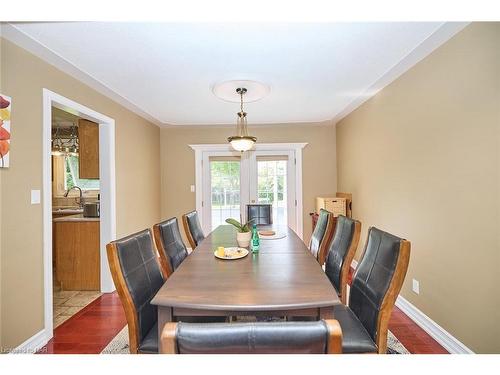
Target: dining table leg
164 316
326 312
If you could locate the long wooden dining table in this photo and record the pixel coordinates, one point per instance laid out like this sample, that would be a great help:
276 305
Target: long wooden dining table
282 279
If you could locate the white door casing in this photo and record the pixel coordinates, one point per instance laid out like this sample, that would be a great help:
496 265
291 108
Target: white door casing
107 190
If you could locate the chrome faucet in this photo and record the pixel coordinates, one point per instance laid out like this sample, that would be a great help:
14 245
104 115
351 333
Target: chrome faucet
81 203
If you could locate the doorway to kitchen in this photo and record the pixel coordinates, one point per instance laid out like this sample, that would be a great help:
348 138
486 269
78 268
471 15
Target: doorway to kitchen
75 214
227 181
78 206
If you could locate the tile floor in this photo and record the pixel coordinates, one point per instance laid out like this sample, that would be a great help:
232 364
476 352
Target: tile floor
67 303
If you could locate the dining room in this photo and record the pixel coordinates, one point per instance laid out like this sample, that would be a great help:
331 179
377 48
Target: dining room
277 188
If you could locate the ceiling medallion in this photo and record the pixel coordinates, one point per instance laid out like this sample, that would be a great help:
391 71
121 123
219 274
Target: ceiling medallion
227 90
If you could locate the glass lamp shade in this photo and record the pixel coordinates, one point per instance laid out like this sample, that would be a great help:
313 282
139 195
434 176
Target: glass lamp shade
242 143
56 150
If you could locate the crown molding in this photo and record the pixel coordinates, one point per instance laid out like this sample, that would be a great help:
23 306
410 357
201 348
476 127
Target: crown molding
432 42
436 39
13 34
257 147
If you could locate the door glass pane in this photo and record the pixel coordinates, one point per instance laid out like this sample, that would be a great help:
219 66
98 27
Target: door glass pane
225 190
272 187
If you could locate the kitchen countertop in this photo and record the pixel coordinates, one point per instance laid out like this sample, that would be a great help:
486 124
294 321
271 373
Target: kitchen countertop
71 218
66 211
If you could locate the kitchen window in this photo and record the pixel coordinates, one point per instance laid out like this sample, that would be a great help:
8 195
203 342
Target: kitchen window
65 176
71 177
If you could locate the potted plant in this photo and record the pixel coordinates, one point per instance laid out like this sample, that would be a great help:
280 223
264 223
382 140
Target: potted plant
244 233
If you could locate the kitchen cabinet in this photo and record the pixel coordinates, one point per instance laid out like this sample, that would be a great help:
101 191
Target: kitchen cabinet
77 252
88 140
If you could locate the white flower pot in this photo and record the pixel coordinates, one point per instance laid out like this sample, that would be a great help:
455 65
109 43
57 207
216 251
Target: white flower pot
243 239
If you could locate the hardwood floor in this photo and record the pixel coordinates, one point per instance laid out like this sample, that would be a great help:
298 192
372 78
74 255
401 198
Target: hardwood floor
91 329
414 338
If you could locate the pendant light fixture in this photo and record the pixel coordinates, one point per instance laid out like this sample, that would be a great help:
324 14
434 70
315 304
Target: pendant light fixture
65 142
242 141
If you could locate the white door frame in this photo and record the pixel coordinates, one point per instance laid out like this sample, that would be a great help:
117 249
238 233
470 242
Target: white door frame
107 190
200 149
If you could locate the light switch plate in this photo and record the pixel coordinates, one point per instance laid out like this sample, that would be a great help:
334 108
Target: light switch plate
192 189
416 286
35 196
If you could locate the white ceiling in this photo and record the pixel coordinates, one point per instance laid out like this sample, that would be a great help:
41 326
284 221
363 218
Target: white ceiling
166 71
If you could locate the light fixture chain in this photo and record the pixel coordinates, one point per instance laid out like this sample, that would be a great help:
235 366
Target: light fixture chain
241 100
242 141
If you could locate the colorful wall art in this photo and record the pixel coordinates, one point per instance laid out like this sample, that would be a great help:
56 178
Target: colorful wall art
5 106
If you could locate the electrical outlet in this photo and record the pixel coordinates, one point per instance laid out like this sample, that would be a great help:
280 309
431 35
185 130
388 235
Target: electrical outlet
416 287
192 189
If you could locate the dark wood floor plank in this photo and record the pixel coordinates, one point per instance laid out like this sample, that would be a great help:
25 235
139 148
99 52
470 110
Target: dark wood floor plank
89 330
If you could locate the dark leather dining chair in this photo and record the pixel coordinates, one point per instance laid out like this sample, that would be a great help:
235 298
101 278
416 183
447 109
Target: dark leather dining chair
374 289
137 277
322 235
320 337
341 253
170 246
192 227
260 214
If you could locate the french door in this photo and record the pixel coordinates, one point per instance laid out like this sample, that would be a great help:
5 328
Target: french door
231 180
272 181
225 189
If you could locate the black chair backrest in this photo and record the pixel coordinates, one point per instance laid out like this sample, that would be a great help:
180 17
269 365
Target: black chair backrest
337 252
319 232
142 274
194 225
260 214
172 245
373 277
258 338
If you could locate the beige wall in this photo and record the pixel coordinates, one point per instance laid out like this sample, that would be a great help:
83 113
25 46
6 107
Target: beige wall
137 182
178 168
422 161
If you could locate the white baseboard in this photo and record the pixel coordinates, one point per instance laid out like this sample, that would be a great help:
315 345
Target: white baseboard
33 344
438 333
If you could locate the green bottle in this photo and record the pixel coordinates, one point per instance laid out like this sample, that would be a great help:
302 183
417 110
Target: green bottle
255 239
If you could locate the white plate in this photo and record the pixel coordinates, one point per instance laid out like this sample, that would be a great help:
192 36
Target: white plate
275 236
232 253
